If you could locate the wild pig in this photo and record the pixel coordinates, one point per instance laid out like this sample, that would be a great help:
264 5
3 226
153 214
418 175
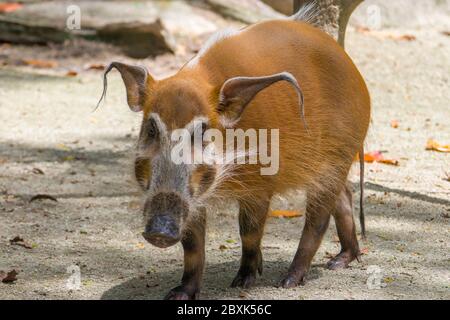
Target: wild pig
281 75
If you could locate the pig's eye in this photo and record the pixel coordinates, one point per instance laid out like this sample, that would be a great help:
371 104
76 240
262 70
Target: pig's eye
152 130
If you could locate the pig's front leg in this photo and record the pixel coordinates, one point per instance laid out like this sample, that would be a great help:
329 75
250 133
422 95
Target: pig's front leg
252 219
194 260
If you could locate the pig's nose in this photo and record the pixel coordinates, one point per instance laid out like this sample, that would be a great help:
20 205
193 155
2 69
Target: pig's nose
162 231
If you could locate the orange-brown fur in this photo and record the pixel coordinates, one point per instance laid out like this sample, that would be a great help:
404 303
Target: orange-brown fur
316 157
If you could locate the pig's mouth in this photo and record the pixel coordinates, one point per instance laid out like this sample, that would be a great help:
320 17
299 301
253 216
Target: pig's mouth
160 240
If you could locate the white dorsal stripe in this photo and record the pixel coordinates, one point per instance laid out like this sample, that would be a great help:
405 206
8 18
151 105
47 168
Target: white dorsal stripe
215 38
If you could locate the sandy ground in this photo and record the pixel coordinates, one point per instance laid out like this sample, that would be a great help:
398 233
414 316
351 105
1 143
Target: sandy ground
48 123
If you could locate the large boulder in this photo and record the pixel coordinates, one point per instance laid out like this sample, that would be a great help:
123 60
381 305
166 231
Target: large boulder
246 11
141 28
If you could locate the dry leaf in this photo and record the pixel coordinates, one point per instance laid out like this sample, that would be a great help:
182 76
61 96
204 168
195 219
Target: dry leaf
40 63
394 124
405 37
43 197
95 66
140 245
391 162
10 7
388 280
435 146
446 33
386 34
69 158
63 147
18 241
285 213
71 73
377 156
223 247
8 277
364 251
37 171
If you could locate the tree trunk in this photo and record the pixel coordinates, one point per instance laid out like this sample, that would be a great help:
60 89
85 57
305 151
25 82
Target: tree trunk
333 15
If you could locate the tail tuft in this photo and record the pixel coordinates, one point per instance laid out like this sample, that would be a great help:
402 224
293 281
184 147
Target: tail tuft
362 218
308 13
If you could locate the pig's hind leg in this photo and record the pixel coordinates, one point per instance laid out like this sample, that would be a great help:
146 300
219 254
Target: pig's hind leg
252 219
345 225
194 260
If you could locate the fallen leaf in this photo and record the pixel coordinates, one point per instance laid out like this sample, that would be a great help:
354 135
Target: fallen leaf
446 33
243 294
406 37
364 251
223 247
140 245
87 283
37 171
230 241
69 158
71 73
10 7
373 156
40 63
388 280
394 124
285 214
95 66
391 162
377 156
8 277
43 197
18 241
435 146
386 34
63 147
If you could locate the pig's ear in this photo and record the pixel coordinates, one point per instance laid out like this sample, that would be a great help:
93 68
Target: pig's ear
135 79
237 93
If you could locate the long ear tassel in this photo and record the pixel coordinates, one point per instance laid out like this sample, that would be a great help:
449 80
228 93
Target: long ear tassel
105 85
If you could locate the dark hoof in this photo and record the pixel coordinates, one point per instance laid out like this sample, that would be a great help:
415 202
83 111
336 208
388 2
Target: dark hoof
243 281
292 281
180 293
246 276
341 261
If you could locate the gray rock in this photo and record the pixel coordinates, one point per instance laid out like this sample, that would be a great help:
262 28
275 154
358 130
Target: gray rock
140 28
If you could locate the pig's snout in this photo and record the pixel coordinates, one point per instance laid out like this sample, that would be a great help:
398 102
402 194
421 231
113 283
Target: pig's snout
164 212
162 231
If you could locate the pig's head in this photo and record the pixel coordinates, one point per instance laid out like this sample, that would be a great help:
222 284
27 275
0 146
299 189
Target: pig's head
175 191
